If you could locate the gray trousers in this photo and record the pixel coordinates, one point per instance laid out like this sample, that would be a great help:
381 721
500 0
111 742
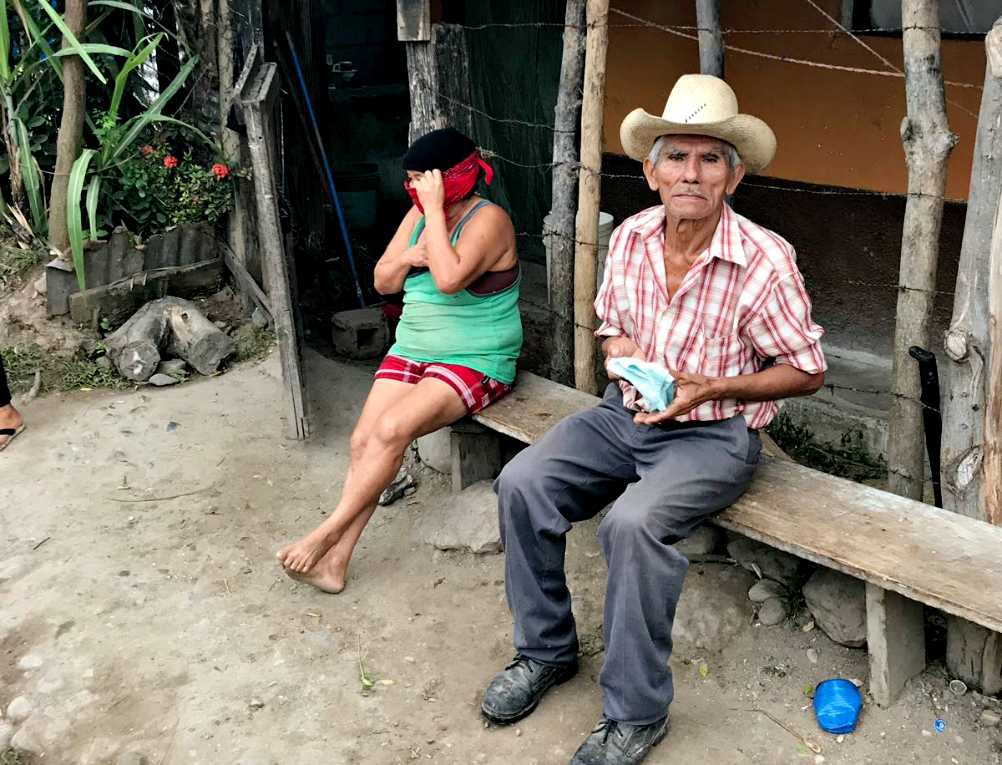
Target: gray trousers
665 479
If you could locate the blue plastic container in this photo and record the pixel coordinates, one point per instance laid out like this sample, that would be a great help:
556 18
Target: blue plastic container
836 705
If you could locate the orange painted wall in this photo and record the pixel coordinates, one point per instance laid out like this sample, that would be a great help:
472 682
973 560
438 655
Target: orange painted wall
833 127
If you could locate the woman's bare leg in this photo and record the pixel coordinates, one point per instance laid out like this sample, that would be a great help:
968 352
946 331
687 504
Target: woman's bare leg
426 407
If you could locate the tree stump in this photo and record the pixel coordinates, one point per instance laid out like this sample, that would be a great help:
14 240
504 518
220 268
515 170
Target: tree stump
170 325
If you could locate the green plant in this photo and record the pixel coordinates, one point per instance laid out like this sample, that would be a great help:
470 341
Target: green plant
850 458
14 757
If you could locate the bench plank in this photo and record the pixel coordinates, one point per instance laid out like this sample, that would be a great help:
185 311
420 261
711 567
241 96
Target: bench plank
876 536
534 405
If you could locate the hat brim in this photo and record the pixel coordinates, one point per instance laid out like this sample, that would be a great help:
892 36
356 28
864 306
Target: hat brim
753 138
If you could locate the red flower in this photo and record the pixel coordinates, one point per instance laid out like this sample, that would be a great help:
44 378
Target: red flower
220 170
146 150
170 161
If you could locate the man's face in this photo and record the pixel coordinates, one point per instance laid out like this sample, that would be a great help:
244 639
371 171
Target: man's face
692 176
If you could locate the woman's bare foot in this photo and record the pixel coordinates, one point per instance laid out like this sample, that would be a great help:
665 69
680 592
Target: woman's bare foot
10 419
327 575
301 556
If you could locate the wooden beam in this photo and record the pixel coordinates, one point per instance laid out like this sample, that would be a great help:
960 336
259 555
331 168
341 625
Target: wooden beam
711 41
927 141
257 94
560 278
589 195
414 20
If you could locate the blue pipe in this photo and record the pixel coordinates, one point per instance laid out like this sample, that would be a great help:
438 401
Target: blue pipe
327 169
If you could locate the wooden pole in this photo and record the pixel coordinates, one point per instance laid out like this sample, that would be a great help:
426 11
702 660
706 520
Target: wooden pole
971 426
561 228
711 41
967 341
589 195
927 141
414 29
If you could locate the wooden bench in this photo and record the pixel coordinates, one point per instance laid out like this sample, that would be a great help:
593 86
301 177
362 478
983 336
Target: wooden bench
906 552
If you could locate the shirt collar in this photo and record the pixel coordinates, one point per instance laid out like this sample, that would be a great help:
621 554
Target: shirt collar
725 244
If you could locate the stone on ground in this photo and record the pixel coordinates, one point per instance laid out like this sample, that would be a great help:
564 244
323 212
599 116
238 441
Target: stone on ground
465 521
712 610
766 562
435 450
838 604
6 733
19 709
705 540
764 589
162 380
772 612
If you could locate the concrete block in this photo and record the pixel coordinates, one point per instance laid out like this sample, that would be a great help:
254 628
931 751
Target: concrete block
466 521
360 334
60 283
476 454
895 630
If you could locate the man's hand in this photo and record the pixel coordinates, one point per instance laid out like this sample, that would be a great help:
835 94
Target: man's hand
691 390
430 189
617 347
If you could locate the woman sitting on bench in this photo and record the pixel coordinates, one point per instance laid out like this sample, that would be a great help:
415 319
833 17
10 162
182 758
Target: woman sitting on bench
456 344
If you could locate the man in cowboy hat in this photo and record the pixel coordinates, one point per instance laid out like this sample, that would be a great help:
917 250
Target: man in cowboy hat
717 301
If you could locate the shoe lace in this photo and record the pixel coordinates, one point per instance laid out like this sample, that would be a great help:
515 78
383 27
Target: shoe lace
608 727
522 661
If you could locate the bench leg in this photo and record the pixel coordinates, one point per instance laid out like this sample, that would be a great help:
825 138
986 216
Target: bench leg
895 635
476 454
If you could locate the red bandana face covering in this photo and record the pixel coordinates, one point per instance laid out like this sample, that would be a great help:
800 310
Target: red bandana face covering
459 181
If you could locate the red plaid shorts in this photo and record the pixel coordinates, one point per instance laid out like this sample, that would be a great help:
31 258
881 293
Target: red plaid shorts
475 388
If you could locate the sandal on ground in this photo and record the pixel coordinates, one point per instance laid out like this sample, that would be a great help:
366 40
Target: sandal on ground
11 434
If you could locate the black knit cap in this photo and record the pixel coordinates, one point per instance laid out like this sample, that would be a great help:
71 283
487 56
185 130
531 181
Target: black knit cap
438 150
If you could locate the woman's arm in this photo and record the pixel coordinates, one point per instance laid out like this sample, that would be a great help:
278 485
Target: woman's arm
398 258
487 241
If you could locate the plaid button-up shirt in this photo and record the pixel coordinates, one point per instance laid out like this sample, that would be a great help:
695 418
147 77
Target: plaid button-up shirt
742 302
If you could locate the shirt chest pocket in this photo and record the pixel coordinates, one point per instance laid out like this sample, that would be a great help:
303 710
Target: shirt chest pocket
725 355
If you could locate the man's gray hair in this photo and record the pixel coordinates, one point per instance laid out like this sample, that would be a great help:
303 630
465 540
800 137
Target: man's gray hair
733 158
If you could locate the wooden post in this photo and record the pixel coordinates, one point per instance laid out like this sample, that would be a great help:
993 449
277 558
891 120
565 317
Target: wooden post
414 29
970 424
927 141
561 229
845 13
967 341
711 41
589 195
257 94
991 483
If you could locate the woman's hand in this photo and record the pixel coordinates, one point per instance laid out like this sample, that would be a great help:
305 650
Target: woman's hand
430 189
416 256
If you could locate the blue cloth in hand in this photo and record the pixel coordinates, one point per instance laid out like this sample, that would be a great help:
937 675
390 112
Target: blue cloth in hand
651 380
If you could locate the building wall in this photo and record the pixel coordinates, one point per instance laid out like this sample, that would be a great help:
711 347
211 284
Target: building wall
833 127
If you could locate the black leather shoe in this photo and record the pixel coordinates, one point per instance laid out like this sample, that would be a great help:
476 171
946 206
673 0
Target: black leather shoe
516 690
615 743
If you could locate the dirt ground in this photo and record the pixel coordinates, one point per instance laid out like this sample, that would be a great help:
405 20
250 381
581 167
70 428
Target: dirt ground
145 619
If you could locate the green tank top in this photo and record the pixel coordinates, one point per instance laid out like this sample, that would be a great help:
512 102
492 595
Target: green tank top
482 332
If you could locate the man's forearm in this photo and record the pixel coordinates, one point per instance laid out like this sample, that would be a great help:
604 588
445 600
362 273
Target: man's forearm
776 382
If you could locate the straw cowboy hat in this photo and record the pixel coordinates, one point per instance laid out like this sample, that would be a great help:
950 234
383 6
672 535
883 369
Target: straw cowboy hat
701 104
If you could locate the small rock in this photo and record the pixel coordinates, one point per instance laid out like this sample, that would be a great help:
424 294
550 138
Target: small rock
764 589
6 734
812 656
819 759
172 367
30 661
41 287
256 704
705 540
772 612
162 380
766 562
259 318
838 604
712 611
103 361
51 683
19 709
839 738
926 732
88 348
989 718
